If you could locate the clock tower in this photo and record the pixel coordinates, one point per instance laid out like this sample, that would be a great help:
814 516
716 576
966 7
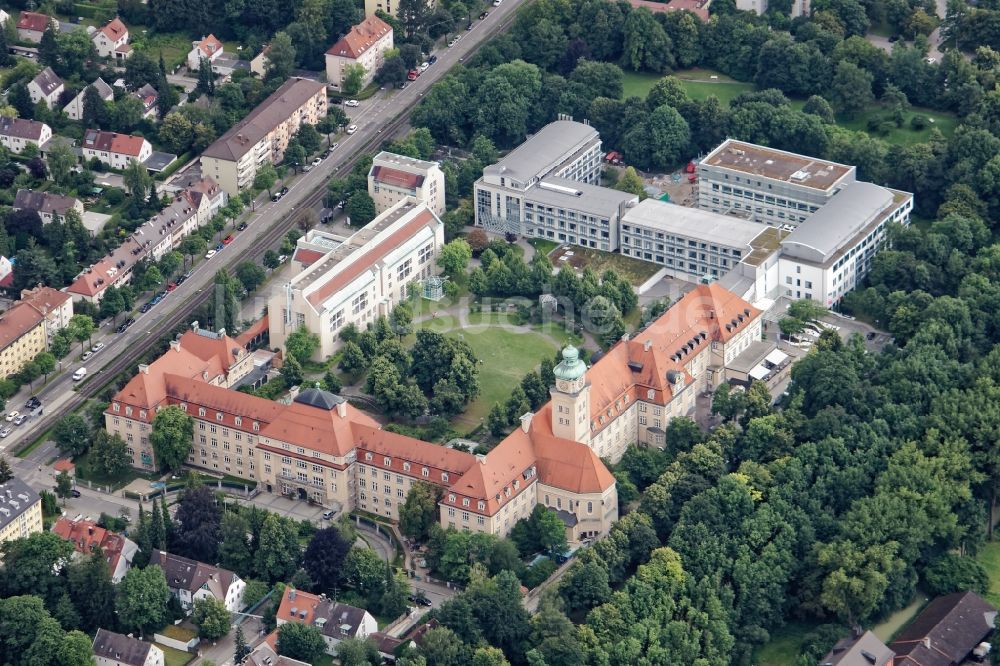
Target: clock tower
571 398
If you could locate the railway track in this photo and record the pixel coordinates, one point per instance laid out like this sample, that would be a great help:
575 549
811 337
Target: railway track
266 240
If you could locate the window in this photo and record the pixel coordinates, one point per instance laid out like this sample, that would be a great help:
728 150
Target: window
387 461
425 472
480 520
482 505
465 516
444 476
465 501
337 320
360 303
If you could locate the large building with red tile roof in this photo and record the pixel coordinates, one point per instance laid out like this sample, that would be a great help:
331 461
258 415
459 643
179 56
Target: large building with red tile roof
364 44
319 447
359 278
86 535
393 178
335 621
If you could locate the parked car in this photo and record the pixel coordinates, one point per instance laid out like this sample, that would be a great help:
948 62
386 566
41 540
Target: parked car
433 59
423 66
275 197
211 253
352 103
21 418
483 15
98 346
412 75
146 307
242 227
182 279
284 191
125 324
218 248
228 239
317 161
33 403
282 258
79 374
13 415
86 355
452 42
352 129
5 432
171 286
307 168
328 515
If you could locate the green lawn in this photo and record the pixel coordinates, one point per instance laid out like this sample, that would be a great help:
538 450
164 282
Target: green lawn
634 270
784 646
542 245
699 85
506 357
989 557
172 657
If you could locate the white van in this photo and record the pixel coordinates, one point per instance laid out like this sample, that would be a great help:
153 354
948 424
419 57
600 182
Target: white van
79 374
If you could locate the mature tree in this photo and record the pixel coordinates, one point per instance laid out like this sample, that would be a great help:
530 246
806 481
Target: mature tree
302 344
142 600
354 78
324 557
6 473
109 454
278 552
401 319
420 511
295 155
392 72
206 79
193 246
140 70
137 179
60 160
360 208
631 182
234 547
265 178
31 563
585 585
199 519
358 652
176 132
64 485
352 359
72 435
93 594
211 617
851 89
454 257
301 641
172 437
280 57
81 327
250 275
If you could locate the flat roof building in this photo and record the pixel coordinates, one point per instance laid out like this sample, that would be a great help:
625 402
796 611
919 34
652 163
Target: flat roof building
394 177
767 185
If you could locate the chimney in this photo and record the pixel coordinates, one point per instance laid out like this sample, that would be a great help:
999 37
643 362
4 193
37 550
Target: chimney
291 594
647 344
144 368
222 331
293 392
342 409
90 530
175 345
526 421
927 642
194 325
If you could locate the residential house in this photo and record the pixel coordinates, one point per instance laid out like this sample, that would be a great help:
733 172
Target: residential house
85 535
390 7
364 44
48 206
190 580
261 138
20 511
46 87
148 96
356 281
115 150
208 48
394 177
859 649
17 133
114 269
266 655
258 65
193 207
945 632
111 41
32 25
75 108
111 649
6 273
55 306
22 337
336 621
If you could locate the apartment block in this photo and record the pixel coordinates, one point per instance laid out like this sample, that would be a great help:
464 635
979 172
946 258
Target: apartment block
56 307
20 511
569 211
359 279
563 150
364 44
766 185
22 337
261 138
393 178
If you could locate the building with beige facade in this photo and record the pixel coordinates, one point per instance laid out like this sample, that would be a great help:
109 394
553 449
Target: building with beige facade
318 447
17 133
364 44
55 307
394 177
22 337
20 511
357 280
261 138
111 649
390 7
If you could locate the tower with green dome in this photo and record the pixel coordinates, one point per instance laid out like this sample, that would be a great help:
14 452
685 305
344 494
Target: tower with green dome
571 398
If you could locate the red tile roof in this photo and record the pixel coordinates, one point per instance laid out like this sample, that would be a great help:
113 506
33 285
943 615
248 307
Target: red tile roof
209 46
307 257
362 263
258 327
44 299
64 465
317 429
33 21
86 534
16 322
112 142
397 178
114 30
360 38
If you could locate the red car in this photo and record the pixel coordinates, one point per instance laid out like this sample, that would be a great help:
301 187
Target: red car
412 75
227 240
171 286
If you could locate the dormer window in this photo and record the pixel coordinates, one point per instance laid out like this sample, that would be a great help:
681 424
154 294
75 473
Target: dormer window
425 472
201 411
482 505
116 407
465 501
650 394
406 467
218 416
184 406
368 456
239 420
387 461
451 497
506 491
444 476
256 426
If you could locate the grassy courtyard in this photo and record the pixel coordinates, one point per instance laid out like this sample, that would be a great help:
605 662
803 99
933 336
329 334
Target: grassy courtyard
633 270
785 645
989 557
173 657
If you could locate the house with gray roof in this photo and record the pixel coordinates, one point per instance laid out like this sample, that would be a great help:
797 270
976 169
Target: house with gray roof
47 205
17 133
859 650
46 87
190 580
75 108
111 649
